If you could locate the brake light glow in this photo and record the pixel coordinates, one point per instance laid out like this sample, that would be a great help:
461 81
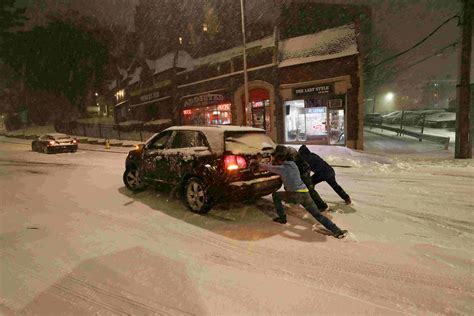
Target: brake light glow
232 162
52 142
74 141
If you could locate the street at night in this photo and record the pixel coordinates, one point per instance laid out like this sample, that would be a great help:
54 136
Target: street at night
236 157
76 241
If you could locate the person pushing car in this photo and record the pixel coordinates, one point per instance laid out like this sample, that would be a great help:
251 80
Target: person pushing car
322 172
295 192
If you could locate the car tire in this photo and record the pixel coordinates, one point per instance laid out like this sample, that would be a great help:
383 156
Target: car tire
33 147
46 150
73 150
132 180
196 196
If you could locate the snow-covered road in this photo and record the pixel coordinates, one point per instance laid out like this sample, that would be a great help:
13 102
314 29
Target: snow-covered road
73 240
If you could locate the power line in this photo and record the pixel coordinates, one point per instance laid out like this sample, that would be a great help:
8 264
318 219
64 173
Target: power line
428 57
417 44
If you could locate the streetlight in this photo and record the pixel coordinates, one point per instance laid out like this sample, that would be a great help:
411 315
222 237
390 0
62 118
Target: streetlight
389 97
246 86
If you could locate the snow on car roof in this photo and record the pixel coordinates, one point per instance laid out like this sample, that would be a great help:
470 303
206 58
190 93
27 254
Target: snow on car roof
215 133
57 135
217 128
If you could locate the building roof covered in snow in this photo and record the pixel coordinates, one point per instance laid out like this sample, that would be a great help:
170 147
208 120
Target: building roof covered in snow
135 76
328 44
230 53
167 62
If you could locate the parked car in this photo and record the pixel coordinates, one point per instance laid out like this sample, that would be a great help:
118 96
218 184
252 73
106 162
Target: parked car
441 120
373 119
393 117
53 143
385 116
411 117
207 163
427 113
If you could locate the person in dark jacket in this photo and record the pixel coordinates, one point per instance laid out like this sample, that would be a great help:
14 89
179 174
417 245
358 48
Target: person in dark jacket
323 172
303 167
295 192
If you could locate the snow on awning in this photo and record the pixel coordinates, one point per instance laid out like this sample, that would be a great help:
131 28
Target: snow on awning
328 44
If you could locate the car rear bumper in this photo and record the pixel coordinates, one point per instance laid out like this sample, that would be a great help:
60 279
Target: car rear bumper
62 148
244 190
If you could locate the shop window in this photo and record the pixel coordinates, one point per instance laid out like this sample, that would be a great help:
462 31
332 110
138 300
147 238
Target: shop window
219 114
313 120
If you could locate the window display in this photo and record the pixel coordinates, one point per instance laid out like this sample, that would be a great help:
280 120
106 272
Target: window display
311 120
219 114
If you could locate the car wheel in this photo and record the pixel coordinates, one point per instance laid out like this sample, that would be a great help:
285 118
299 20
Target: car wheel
45 149
73 150
132 180
197 196
33 147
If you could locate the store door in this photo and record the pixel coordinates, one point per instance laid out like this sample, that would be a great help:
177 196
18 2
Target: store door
257 112
336 123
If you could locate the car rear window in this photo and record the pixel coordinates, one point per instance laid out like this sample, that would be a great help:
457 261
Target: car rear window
247 142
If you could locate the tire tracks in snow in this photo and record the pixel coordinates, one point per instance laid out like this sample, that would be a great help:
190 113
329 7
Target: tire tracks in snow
98 296
264 261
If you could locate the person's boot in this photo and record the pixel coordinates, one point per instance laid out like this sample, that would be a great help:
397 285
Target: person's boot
340 234
281 220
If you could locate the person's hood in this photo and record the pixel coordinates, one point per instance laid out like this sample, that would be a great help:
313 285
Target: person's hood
304 151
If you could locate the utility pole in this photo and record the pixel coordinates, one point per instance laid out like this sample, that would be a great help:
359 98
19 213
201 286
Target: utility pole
463 145
246 85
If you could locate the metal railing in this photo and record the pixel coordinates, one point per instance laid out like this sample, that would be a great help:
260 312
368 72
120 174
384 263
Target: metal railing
136 132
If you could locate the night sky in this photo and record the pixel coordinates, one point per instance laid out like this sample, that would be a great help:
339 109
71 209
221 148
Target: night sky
401 22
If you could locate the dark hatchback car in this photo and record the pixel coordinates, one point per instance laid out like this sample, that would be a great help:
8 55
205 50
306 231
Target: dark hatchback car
53 143
209 164
373 119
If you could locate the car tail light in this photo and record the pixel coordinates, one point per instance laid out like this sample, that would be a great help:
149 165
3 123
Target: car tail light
52 142
232 162
74 141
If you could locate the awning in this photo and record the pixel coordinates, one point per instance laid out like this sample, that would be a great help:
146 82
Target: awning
151 101
120 103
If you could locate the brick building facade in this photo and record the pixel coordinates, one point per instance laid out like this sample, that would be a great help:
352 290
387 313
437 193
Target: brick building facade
305 89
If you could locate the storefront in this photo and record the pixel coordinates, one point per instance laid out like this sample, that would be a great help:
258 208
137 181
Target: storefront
257 111
315 115
260 111
150 104
207 109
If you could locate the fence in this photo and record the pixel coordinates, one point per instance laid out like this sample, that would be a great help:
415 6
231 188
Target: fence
420 135
137 132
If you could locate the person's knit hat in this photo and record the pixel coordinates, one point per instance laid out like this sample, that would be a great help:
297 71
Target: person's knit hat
281 152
